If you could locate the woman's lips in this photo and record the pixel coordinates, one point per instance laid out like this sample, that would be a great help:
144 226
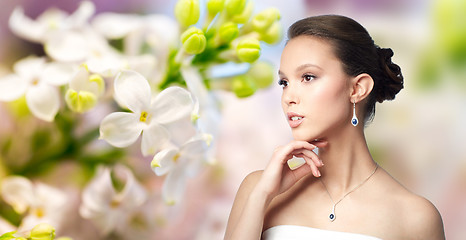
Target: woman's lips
294 119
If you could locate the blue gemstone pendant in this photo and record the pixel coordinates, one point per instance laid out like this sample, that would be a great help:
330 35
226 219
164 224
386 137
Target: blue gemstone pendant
332 215
354 120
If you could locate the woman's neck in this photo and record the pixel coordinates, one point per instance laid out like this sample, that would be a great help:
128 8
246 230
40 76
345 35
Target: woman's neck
347 161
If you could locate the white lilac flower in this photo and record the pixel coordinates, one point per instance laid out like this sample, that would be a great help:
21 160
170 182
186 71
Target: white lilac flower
158 31
108 62
38 81
66 38
116 25
49 22
88 47
144 221
179 164
109 209
84 90
207 113
132 91
6 226
39 202
78 45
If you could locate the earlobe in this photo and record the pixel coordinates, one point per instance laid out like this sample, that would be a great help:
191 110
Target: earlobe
361 87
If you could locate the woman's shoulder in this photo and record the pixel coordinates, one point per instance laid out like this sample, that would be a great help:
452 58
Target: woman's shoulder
417 216
253 177
422 219
249 182
246 187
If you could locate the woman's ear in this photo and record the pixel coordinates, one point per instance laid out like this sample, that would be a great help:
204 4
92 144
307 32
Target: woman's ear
361 87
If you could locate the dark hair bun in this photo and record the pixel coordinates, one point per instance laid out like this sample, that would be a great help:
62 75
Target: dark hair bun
392 82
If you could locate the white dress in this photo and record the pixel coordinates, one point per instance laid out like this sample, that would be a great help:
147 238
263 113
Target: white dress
292 232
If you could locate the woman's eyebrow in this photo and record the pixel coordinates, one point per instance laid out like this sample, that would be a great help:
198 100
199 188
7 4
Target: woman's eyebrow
304 66
280 73
300 68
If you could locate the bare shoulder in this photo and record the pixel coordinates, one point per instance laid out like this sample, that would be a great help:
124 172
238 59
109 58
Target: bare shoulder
247 185
241 198
250 181
417 217
422 219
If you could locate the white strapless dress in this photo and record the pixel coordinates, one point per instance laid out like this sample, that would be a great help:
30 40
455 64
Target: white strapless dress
292 232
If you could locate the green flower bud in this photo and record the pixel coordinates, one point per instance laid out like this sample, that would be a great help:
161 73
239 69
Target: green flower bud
11 236
245 15
43 231
243 86
235 7
263 20
81 101
449 20
214 6
187 12
8 236
248 50
273 34
228 31
194 41
262 74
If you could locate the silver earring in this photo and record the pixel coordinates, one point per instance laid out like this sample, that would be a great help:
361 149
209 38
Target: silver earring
354 120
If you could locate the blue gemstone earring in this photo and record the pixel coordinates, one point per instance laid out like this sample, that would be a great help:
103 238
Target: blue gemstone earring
354 120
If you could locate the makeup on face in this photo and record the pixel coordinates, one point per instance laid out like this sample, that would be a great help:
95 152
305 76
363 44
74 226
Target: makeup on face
294 119
314 98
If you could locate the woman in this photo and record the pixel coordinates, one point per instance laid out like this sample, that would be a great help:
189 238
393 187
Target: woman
332 74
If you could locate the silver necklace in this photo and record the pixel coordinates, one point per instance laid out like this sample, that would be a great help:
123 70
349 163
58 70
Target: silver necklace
332 215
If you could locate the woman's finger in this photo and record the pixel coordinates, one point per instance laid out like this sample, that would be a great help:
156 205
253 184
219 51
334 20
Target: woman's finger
312 165
301 149
302 171
292 146
319 143
310 154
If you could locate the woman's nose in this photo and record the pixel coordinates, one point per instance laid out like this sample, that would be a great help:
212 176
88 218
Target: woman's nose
290 96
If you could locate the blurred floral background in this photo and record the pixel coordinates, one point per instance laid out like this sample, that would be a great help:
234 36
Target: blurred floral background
78 85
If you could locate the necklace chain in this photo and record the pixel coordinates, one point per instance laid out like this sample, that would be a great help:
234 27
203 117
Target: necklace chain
332 215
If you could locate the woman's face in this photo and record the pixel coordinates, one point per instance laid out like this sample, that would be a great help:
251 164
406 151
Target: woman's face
316 91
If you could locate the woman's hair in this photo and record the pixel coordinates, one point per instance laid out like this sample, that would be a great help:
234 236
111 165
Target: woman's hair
357 51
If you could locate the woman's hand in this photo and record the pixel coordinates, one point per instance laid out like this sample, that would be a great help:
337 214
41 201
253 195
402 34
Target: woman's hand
259 188
278 177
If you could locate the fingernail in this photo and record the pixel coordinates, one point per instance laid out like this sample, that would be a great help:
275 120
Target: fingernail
318 174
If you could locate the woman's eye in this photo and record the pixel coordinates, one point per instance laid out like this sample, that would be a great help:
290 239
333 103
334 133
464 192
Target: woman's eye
308 77
282 83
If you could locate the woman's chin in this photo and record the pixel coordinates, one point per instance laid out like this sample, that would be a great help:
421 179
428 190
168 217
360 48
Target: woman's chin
304 137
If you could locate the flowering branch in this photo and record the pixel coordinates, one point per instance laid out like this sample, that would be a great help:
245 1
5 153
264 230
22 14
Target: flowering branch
120 78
